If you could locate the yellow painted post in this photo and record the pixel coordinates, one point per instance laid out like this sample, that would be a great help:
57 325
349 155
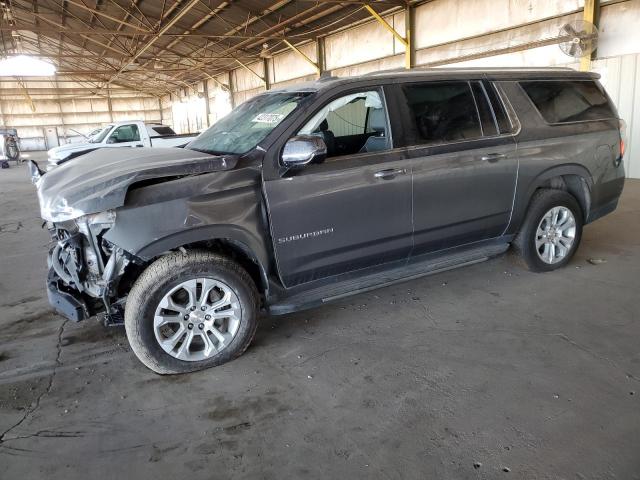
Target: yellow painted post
589 16
409 50
401 39
301 53
250 70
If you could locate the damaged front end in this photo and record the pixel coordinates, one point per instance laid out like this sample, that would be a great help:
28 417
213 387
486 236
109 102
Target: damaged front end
85 269
88 274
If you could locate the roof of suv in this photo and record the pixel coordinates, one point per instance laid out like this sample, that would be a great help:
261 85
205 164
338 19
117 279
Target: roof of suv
444 74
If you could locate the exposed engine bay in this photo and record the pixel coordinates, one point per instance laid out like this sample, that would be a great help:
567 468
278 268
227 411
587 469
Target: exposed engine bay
82 261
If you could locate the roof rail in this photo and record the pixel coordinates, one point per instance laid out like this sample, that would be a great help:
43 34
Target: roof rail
466 69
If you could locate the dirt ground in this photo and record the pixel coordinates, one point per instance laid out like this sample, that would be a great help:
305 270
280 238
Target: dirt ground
483 372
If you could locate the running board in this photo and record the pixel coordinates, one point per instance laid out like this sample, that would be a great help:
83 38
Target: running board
343 288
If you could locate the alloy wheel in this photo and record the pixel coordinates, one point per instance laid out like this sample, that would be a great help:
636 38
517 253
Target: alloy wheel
555 235
197 319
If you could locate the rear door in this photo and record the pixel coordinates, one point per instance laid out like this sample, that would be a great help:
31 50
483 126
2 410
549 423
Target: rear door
354 209
464 163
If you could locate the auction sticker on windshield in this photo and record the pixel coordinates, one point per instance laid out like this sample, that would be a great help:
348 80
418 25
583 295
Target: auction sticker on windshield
268 117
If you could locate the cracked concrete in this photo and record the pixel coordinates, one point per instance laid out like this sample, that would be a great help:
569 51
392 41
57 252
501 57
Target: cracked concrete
479 373
34 406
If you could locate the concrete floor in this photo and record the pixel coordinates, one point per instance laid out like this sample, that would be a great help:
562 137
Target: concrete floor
484 372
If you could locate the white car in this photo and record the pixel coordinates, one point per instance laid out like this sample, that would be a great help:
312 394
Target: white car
132 133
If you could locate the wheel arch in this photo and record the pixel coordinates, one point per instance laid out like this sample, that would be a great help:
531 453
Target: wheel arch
230 240
574 179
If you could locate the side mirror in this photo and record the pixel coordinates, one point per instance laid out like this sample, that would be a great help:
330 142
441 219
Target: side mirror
302 150
112 140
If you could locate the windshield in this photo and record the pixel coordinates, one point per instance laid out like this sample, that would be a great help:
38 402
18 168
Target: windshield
247 125
99 137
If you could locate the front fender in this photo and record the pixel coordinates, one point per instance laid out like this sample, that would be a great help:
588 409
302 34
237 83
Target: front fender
248 241
172 214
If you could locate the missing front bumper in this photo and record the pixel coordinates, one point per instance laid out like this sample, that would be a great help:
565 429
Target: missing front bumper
67 304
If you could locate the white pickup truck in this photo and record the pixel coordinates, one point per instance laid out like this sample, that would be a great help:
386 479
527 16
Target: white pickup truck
131 133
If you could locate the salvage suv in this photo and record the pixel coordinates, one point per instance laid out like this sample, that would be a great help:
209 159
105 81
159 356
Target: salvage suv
313 192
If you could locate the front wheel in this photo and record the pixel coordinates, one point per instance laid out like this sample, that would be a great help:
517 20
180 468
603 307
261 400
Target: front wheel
190 311
551 231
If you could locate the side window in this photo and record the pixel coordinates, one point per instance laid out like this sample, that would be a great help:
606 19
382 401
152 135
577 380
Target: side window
163 130
563 101
355 123
125 133
442 112
504 125
486 115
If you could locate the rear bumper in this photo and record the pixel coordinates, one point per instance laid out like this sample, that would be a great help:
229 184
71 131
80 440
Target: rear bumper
66 303
603 210
605 198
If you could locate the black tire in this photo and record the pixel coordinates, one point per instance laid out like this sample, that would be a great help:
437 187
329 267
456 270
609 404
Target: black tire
542 201
163 275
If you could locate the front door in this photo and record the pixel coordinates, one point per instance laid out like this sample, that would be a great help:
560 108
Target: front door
464 163
351 211
125 136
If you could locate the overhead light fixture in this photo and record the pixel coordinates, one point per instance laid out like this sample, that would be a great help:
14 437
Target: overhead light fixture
26 66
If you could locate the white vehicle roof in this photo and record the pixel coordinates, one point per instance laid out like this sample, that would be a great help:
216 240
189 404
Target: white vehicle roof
149 126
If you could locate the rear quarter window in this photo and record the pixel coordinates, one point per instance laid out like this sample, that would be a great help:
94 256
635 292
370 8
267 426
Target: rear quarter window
164 130
565 101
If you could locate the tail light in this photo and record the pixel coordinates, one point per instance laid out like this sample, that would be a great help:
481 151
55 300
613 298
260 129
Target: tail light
623 137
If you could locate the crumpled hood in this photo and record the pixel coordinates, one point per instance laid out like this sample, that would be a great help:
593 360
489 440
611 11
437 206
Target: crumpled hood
99 180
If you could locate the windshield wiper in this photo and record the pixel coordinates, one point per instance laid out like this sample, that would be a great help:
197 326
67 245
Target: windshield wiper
210 152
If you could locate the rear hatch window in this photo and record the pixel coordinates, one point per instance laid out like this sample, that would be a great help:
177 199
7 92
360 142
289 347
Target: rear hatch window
562 101
163 130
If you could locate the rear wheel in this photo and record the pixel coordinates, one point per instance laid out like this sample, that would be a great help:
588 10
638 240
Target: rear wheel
189 311
551 231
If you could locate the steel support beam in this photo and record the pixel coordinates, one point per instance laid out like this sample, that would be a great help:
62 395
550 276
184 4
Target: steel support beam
147 45
404 40
280 27
112 18
122 33
250 70
207 107
219 83
590 15
409 28
320 54
27 97
498 51
231 89
267 74
109 105
304 57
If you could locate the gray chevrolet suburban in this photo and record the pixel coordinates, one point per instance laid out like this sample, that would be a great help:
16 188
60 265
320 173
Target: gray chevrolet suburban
313 192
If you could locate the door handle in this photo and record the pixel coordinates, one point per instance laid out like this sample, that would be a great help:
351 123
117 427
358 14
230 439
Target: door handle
139 145
390 173
492 157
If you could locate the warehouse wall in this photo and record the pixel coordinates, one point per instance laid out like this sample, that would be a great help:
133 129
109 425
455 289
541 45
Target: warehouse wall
446 33
66 114
465 33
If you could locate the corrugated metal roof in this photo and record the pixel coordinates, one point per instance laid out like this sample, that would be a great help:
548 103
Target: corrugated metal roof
158 45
